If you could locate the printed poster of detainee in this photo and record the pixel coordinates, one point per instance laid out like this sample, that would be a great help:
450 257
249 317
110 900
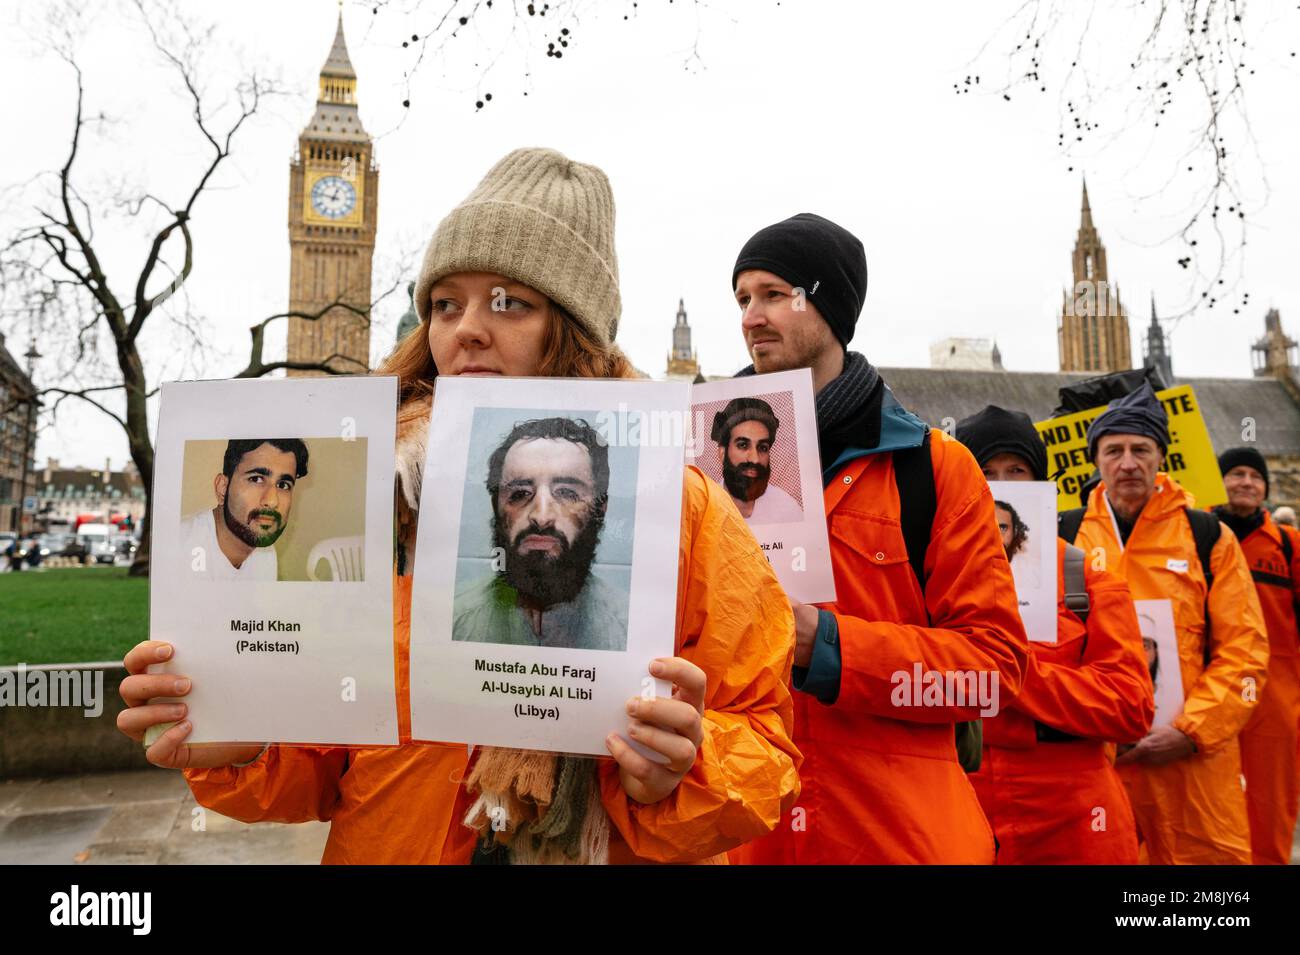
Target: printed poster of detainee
757 437
273 505
1026 516
540 578
1160 642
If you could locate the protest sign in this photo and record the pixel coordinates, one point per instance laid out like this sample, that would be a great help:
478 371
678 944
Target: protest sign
546 558
1026 515
757 437
272 556
1191 460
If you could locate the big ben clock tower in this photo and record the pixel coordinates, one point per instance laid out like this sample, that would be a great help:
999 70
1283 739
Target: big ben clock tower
333 207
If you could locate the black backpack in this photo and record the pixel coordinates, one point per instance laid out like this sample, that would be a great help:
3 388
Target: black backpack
1205 531
917 500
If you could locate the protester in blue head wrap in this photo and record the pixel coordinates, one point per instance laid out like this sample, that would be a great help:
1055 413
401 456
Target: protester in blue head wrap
1137 413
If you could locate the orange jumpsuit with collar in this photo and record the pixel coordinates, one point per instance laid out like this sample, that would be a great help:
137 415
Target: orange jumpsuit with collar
1191 811
400 804
1268 742
1053 801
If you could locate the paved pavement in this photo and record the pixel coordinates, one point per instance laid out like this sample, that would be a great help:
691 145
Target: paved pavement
147 816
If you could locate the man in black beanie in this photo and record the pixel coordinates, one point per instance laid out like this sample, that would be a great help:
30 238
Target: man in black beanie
923 583
1268 741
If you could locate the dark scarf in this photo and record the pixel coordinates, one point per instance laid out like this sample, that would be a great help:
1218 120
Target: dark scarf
1243 527
848 408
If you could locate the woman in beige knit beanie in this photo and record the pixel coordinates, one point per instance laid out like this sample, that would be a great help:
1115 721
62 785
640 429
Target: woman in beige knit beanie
521 279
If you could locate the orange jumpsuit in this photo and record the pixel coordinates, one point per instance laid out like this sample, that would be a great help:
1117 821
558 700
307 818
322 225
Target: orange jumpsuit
400 804
881 782
1191 810
1268 743
1060 802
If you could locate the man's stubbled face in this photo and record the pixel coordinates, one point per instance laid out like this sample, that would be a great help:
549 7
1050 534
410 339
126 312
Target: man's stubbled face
746 461
547 519
259 495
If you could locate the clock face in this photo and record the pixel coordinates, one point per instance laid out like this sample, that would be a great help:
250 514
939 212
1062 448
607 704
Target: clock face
333 197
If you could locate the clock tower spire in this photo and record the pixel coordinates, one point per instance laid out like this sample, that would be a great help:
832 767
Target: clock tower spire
333 211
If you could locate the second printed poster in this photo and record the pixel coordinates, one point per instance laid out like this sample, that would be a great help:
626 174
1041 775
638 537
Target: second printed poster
757 437
548 536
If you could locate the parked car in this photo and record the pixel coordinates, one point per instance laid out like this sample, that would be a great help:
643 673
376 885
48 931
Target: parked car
74 548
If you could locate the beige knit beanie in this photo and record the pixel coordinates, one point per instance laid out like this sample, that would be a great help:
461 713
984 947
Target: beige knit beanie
540 219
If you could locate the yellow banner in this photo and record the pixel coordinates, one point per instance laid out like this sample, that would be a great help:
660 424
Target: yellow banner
1191 460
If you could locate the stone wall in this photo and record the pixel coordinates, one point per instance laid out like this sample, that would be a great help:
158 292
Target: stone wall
49 740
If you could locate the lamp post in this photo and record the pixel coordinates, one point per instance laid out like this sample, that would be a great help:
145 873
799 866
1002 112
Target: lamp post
28 436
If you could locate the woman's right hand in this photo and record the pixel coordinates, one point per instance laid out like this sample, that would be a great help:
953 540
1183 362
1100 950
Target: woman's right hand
170 750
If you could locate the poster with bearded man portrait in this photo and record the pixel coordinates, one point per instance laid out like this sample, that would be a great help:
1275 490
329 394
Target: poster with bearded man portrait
757 436
271 552
538 610
1026 515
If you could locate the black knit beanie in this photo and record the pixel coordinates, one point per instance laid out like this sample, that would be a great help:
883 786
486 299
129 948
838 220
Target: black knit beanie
827 261
1234 457
995 431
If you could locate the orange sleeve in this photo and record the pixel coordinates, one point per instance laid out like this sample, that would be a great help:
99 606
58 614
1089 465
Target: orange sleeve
1108 695
285 784
971 600
1223 697
734 622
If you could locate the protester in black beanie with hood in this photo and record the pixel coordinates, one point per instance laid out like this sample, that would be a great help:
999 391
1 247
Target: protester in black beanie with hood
920 572
1088 687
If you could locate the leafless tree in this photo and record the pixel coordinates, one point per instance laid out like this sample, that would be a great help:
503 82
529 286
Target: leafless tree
1175 73
53 271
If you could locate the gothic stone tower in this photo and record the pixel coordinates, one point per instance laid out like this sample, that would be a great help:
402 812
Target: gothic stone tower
333 208
682 362
1094 334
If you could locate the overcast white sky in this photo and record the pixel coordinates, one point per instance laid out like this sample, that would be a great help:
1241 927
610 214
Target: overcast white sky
966 208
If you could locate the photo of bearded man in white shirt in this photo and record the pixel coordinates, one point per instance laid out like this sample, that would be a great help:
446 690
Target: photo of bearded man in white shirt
234 540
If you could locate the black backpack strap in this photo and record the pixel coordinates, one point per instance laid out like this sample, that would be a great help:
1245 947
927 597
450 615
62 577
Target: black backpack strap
1069 522
1076 586
914 475
1288 551
917 500
1205 531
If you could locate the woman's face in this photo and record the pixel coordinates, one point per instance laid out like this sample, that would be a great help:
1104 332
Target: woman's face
481 323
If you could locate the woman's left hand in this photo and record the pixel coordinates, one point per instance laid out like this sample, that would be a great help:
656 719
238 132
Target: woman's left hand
672 727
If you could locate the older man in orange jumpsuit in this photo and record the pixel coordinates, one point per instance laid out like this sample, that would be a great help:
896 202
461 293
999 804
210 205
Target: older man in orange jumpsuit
1268 743
1046 781
1183 779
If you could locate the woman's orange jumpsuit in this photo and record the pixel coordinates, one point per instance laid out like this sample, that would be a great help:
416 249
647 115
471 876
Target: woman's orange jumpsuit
399 804
1045 780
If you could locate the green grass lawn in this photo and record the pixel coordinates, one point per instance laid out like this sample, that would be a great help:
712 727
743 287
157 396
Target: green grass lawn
71 615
